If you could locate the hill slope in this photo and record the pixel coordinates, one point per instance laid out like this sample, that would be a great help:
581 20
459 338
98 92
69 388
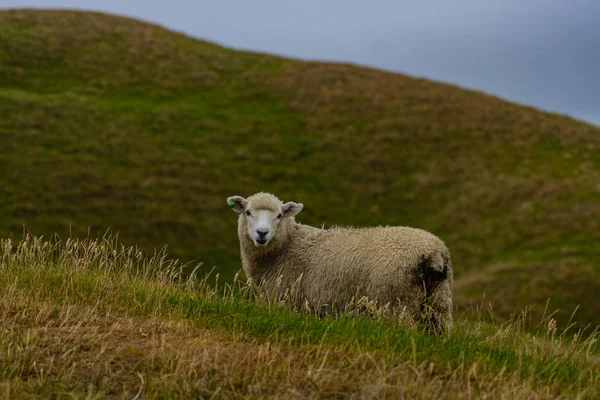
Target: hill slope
111 122
93 319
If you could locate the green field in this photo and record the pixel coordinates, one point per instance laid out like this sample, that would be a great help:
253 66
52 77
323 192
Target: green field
92 319
108 122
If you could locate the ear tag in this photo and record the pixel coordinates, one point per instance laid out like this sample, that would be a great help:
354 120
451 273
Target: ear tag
234 205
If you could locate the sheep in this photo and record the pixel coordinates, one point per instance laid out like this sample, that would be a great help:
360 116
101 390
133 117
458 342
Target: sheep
401 269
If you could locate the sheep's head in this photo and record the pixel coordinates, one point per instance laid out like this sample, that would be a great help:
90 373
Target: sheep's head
263 213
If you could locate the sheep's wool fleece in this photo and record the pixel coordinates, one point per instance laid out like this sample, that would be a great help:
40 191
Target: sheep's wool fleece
397 266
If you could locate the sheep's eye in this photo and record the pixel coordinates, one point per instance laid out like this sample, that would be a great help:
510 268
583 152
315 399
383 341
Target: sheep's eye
279 216
248 213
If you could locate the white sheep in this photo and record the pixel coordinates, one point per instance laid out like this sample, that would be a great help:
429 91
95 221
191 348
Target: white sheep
399 268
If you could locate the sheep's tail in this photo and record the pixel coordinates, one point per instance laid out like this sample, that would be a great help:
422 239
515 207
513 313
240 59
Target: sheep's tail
432 271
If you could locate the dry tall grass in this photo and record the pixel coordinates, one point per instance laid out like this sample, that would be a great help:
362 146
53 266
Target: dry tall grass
94 319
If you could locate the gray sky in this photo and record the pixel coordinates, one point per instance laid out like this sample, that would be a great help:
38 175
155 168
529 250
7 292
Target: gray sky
540 52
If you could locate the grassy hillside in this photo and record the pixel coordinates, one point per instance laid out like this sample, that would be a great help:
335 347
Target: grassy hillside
94 319
111 122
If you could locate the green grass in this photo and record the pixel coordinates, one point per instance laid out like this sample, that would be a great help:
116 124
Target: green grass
138 324
109 122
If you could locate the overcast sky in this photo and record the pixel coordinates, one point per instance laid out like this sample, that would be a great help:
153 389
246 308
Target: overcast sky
540 52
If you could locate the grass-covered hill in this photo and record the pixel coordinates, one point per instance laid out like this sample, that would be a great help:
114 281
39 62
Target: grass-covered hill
92 319
111 122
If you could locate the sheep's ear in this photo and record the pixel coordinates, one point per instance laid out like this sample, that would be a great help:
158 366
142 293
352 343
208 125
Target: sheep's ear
291 209
237 203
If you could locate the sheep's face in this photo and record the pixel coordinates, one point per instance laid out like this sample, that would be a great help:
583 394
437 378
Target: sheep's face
263 213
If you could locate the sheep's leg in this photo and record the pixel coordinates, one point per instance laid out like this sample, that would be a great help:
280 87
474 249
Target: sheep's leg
435 280
439 304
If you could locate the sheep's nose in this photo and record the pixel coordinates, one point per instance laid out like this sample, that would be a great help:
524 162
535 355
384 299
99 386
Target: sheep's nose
262 233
